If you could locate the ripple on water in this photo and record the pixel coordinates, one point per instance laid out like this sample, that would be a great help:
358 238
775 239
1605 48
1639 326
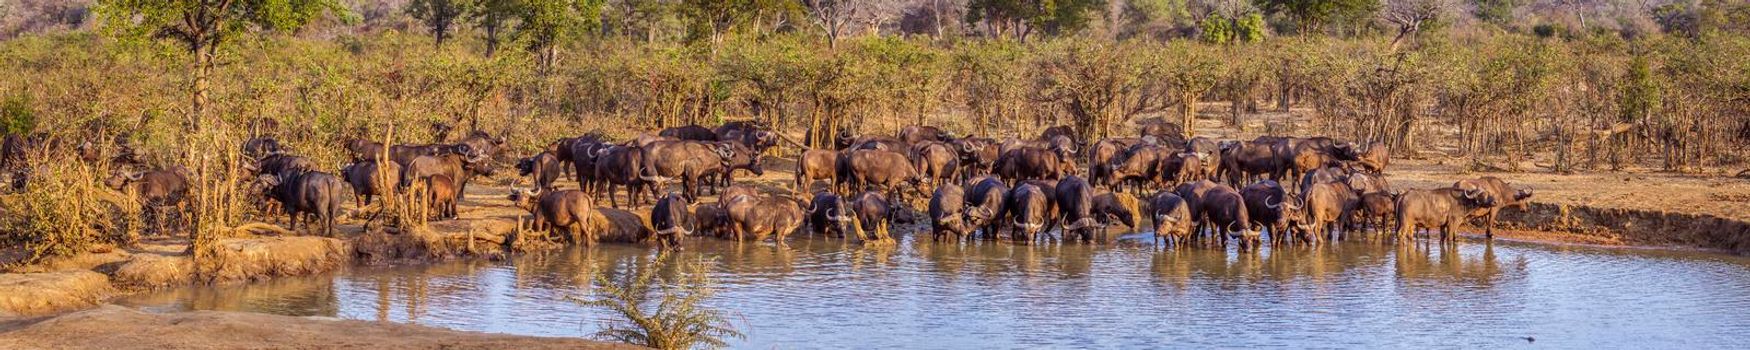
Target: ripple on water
826 293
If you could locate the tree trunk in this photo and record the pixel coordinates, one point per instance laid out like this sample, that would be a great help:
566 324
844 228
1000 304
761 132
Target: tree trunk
1282 101
203 70
491 40
938 13
1188 110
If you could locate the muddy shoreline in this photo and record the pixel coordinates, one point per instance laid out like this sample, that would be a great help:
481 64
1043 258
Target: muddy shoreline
124 328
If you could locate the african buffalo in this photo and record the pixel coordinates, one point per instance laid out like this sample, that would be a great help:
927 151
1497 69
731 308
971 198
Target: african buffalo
1075 207
1328 205
1323 176
1063 131
815 164
1209 151
689 133
884 170
544 167
1103 153
371 178
1027 163
154 188
1163 132
1443 208
711 219
441 191
947 218
1364 183
1226 212
279 165
1375 158
741 157
1377 210
670 219
935 162
977 155
873 212
1244 162
1193 194
563 211
583 155
913 134
1269 206
1498 192
453 163
612 225
756 136
615 166
306 195
1172 217
829 213
687 161
260 146
1140 164
1120 207
985 205
758 217
1030 212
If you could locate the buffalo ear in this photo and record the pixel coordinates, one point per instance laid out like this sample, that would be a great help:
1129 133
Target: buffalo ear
462 149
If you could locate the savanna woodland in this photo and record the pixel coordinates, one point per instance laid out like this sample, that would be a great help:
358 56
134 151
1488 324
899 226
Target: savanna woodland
1516 85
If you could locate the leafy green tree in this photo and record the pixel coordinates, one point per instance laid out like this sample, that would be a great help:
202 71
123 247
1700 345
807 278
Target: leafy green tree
1311 15
491 17
712 19
1023 17
204 25
543 23
1216 29
439 15
1499 12
645 18
1250 28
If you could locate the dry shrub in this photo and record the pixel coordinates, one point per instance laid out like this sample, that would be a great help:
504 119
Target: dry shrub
66 209
661 303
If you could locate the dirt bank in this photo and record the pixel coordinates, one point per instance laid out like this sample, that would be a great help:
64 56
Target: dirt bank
1634 208
43 292
115 327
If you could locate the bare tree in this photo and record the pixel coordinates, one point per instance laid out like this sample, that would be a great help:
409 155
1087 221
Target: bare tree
1409 15
833 17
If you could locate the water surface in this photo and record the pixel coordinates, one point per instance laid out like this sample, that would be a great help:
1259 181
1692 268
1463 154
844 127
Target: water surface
821 293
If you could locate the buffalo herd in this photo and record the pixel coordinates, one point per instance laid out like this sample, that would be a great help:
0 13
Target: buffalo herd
1055 186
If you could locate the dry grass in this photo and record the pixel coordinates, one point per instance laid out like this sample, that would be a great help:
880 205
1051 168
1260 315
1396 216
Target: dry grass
66 209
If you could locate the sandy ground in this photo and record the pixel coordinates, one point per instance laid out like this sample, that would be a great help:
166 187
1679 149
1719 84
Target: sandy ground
113 327
1648 191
